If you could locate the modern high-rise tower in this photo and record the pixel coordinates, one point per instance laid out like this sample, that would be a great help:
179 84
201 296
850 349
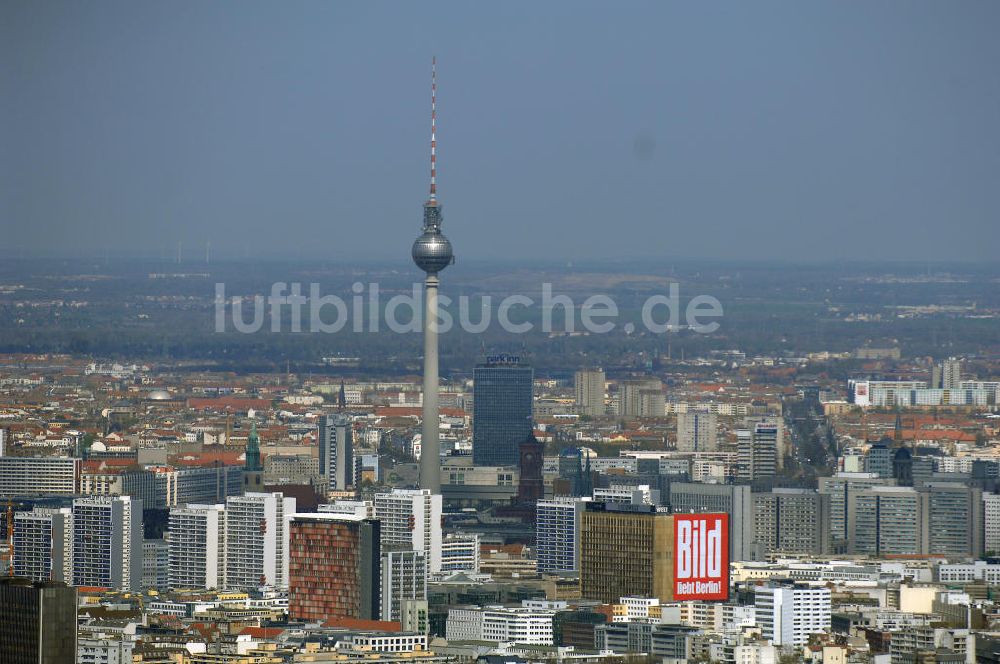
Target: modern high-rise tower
107 542
336 451
697 432
501 410
432 253
589 387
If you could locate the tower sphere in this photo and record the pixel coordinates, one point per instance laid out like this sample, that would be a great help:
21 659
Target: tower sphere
432 251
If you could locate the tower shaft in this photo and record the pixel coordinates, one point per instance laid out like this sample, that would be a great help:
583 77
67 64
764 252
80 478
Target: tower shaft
430 446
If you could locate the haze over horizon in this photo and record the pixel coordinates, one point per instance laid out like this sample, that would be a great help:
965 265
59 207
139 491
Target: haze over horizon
771 130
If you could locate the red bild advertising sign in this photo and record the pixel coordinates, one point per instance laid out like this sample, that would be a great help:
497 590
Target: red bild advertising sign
701 556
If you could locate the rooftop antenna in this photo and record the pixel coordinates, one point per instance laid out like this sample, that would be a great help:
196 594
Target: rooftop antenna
433 194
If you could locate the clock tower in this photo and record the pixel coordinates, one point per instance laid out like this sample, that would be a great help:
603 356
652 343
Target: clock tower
531 487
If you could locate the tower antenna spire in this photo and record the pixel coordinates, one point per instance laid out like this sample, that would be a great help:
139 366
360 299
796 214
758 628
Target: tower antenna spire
433 128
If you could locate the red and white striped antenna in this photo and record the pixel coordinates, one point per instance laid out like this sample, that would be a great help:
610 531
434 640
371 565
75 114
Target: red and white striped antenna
434 128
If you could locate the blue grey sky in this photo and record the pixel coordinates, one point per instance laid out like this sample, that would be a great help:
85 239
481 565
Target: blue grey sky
568 130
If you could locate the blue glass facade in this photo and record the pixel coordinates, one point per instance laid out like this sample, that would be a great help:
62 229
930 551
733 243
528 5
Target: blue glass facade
501 412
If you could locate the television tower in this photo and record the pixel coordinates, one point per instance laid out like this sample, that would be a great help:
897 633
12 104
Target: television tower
432 253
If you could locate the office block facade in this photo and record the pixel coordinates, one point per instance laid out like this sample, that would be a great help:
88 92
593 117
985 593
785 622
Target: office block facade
155 564
887 520
37 622
203 485
38 476
955 520
792 521
736 500
991 523
625 550
501 411
839 487
334 568
879 459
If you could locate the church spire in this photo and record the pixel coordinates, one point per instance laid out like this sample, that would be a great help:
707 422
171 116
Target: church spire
252 463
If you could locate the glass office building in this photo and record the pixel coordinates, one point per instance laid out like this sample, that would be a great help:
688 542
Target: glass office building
501 412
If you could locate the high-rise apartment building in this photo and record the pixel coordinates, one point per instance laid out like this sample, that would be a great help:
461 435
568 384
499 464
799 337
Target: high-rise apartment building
196 551
557 534
257 540
949 375
589 387
107 542
43 544
411 518
792 521
336 451
501 410
642 397
404 577
757 455
334 568
697 432
37 622
789 614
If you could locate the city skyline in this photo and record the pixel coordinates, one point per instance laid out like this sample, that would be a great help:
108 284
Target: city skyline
579 449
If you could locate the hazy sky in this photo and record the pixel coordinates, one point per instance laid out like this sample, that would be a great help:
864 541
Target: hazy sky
865 129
